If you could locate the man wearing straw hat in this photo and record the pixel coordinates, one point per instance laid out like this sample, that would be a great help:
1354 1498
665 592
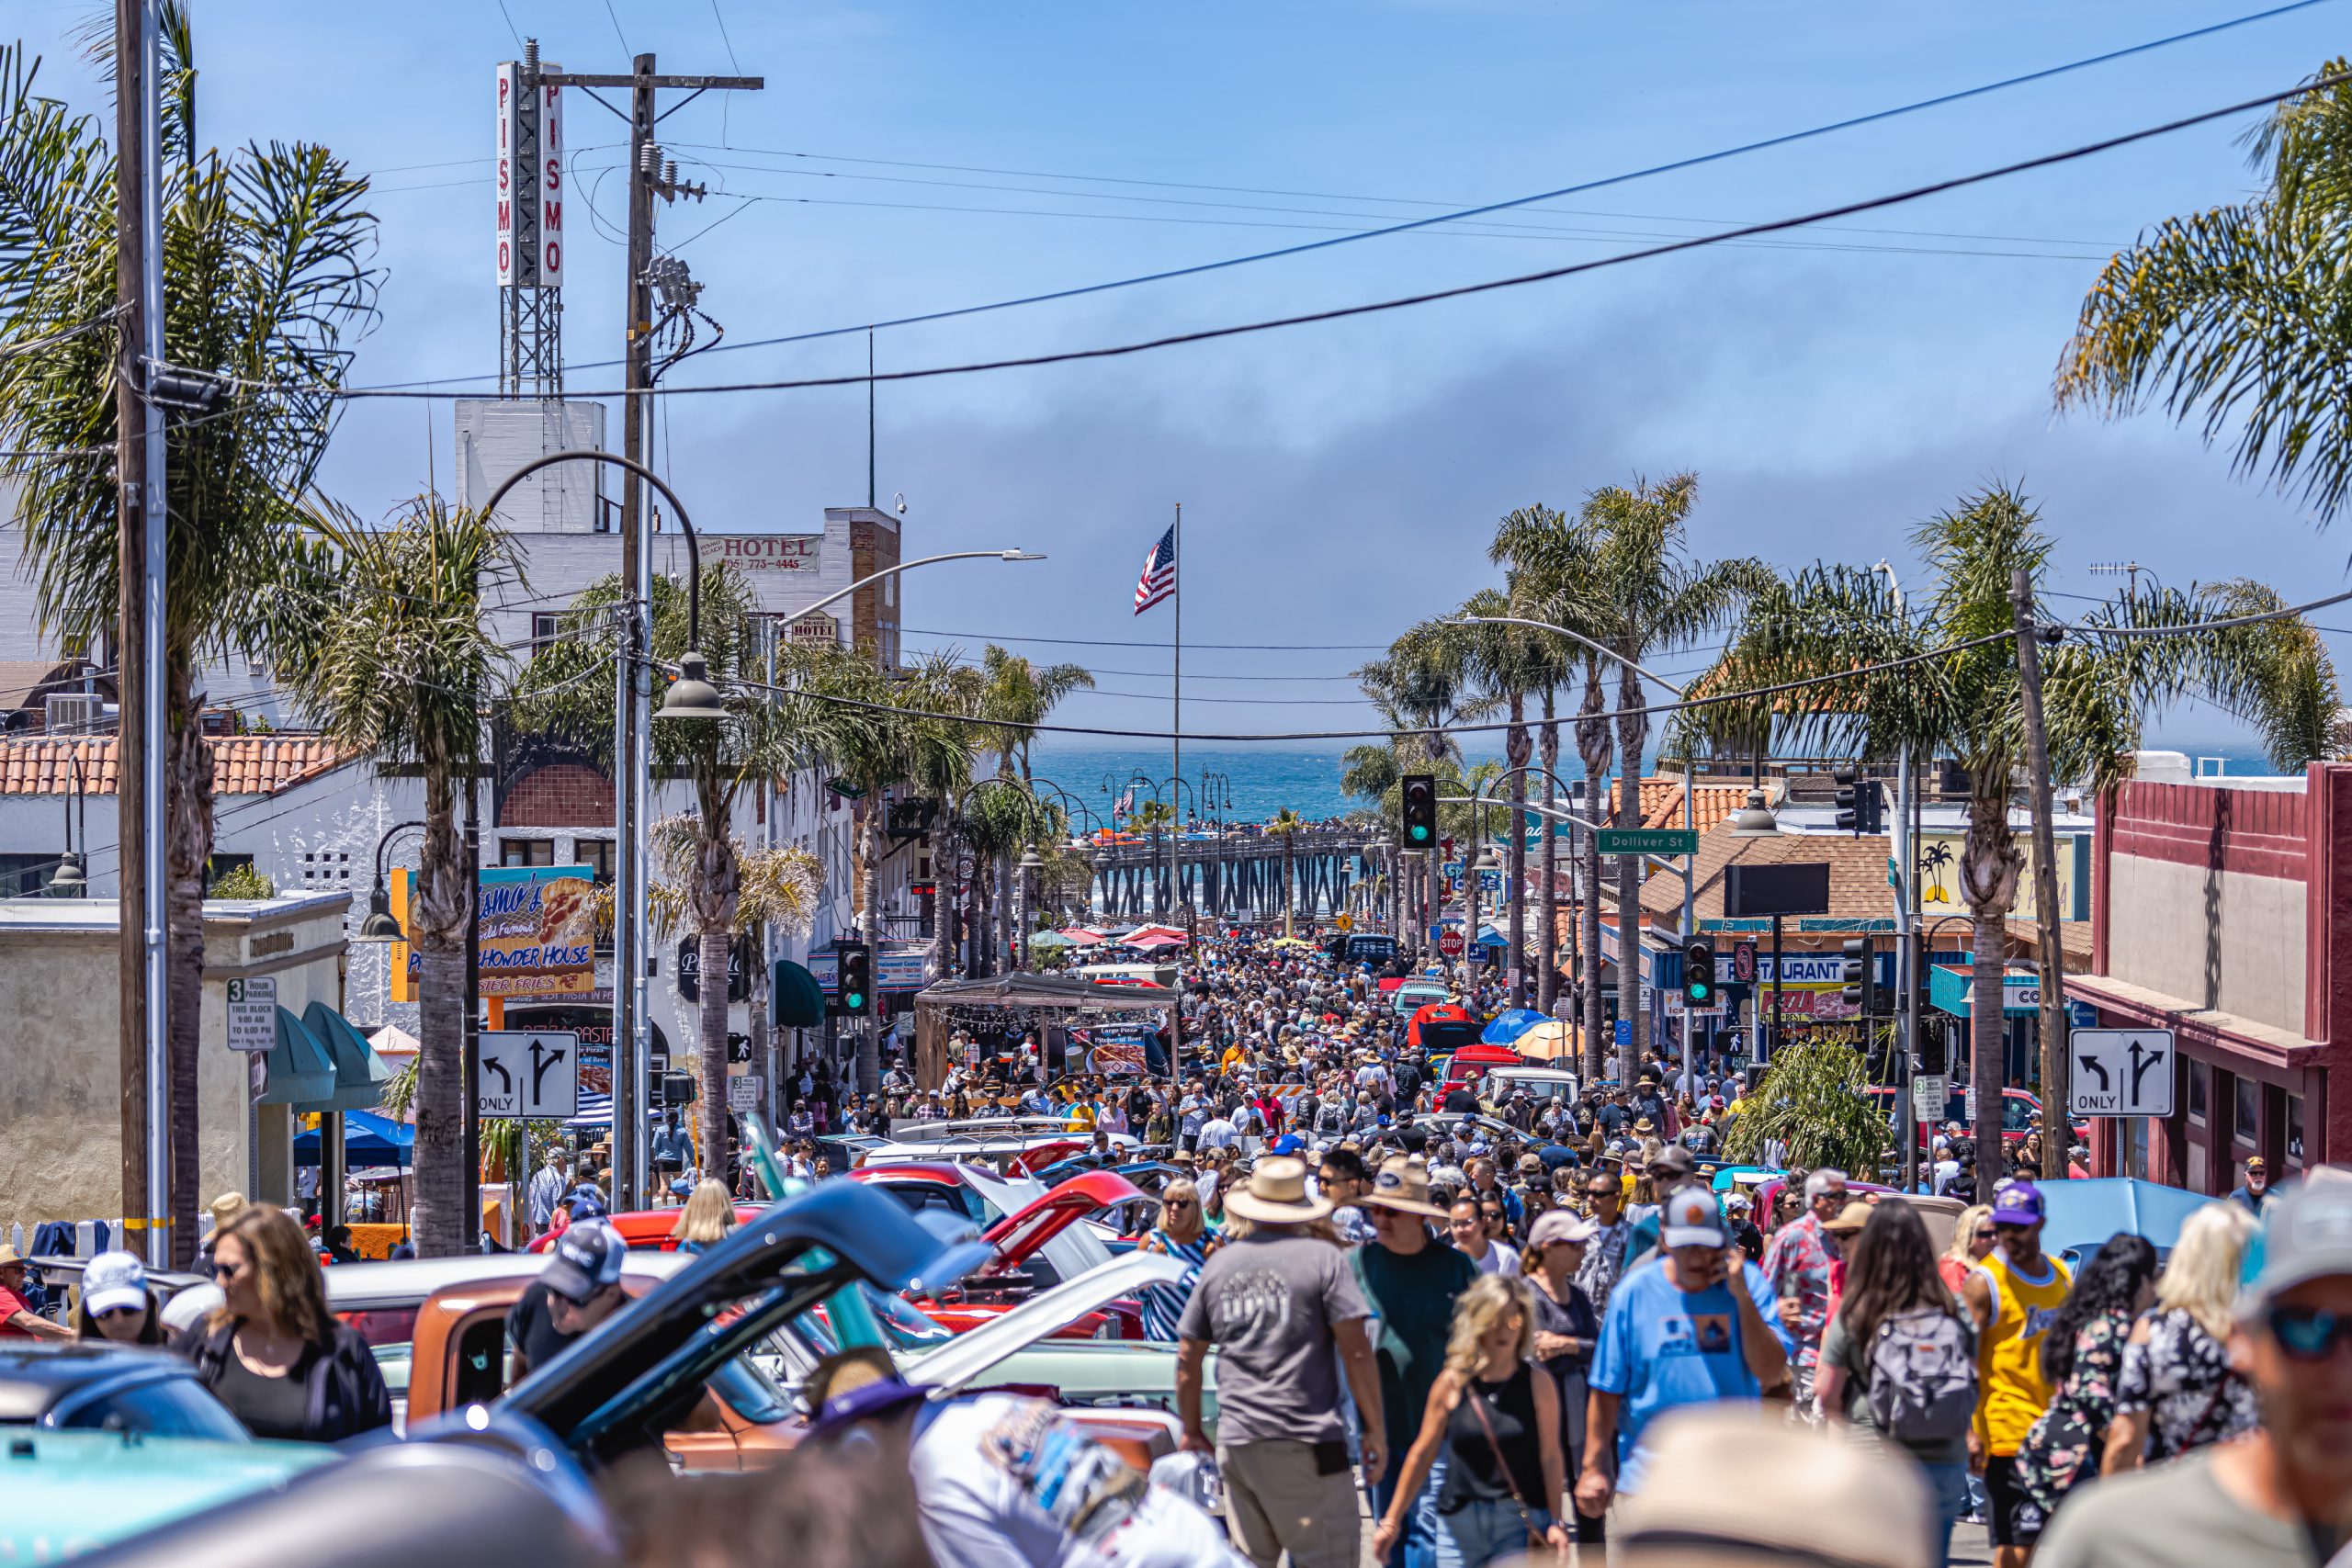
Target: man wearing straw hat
1275 1303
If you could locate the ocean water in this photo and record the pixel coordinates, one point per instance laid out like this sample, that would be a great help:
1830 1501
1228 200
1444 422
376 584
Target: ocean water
1261 781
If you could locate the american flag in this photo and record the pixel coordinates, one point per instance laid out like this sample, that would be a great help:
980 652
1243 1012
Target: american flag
1127 803
1159 579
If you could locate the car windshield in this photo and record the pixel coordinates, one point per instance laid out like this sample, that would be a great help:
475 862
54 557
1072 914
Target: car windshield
908 1325
750 1393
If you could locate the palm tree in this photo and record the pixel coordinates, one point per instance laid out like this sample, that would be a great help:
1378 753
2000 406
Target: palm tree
764 736
1509 663
2234 314
1016 696
1963 698
399 666
884 736
1658 599
777 887
1285 825
266 278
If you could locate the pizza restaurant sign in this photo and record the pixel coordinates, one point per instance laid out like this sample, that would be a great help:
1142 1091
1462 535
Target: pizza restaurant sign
536 931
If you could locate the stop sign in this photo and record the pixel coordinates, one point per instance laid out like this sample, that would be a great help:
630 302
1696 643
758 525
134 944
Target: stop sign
1450 943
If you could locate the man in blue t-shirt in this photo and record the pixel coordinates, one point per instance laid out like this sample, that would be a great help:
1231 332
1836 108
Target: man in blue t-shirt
1675 1334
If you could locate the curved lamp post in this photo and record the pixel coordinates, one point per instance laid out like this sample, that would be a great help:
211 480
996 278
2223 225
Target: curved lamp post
379 927
691 695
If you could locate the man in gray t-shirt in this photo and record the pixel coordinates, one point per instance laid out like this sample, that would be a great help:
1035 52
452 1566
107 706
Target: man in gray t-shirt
1275 1303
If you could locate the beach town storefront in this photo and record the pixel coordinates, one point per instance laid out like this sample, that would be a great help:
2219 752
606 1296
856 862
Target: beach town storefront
2217 912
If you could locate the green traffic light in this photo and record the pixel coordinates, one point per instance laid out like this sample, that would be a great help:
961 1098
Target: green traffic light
1420 831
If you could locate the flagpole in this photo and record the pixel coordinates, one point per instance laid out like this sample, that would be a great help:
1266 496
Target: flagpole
1176 789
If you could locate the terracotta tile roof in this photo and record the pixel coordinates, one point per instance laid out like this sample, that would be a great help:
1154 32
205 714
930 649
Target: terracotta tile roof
242 764
1858 887
1662 803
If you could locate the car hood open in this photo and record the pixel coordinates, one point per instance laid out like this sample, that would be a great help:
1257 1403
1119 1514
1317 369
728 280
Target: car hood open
1021 1234
597 1396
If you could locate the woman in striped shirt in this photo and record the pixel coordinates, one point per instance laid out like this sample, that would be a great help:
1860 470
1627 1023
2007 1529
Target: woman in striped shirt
1183 1233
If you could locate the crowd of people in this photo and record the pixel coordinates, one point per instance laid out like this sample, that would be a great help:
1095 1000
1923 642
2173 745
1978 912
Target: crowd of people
1452 1333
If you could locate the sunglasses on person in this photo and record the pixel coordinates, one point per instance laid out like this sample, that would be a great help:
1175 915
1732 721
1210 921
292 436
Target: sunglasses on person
1986 1233
1177 1203
2309 1334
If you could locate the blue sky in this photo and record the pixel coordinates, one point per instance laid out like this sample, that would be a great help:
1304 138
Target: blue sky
1339 481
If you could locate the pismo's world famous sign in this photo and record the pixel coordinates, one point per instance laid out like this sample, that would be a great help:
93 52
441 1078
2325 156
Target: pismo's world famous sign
538 933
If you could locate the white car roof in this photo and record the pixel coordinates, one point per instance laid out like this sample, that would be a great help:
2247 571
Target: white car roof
408 1280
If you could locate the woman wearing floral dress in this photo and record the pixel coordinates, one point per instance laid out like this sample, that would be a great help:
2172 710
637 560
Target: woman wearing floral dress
2178 1391
2082 1358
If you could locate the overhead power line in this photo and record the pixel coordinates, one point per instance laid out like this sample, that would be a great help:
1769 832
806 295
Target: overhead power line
1343 313
1695 160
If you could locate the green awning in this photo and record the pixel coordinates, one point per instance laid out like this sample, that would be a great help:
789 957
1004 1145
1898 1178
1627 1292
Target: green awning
301 1073
794 999
360 1075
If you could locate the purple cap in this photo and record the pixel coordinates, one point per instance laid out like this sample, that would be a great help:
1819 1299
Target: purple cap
2016 1203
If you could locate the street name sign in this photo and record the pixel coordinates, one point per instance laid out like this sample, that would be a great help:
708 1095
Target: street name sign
528 1073
1648 841
253 1013
2120 1072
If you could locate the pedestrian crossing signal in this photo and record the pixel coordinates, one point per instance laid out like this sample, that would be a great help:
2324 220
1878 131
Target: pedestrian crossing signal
1420 810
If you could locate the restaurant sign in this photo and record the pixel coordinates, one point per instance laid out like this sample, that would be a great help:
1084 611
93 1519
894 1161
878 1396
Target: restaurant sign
537 929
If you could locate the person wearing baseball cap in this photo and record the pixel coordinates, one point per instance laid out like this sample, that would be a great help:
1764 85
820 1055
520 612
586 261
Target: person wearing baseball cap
2280 1495
116 1303
1411 1284
1678 1332
2012 1295
580 1288
2254 1193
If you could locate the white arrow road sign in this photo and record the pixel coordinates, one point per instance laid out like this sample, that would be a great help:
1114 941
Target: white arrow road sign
2121 1072
529 1073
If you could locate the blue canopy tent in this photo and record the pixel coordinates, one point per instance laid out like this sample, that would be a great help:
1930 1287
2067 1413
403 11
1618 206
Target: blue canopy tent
1489 936
368 1139
2079 1216
1510 1025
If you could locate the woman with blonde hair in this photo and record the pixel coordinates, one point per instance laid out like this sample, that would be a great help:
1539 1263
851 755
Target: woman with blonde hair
1971 1238
272 1352
1182 1232
2177 1390
708 1215
1500 1426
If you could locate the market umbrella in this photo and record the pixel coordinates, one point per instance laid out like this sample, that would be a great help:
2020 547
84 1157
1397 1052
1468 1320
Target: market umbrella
1156 940
1506 1026
1048 938
1550 1041
1081 936
367 1140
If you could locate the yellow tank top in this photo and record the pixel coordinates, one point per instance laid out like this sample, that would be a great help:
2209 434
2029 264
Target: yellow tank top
2011 1391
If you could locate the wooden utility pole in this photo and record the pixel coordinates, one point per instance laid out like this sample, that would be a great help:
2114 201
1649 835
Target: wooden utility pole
632 760
131 89
2056 1128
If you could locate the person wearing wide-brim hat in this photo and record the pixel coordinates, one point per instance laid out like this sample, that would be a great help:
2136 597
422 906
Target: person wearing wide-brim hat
1275 1303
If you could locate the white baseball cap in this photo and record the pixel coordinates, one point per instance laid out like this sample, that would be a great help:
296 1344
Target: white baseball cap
113 1280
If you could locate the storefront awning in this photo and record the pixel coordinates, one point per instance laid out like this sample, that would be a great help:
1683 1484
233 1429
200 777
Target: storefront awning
795 998
1949 991
359 1073
301 1073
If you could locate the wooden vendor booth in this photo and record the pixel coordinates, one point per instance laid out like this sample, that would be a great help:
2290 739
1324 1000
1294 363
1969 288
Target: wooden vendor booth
1080 1026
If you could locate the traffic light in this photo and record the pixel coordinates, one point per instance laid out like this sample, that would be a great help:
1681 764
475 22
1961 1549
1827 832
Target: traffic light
1420 811
1861 805
854 962
1699 975
679 1088
1933 1059
1860 973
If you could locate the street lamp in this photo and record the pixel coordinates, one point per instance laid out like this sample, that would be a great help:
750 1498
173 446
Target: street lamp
691 697
71 880
1755 819
379 927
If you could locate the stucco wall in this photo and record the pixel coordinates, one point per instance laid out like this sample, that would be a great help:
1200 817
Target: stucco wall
60 1154
2219 939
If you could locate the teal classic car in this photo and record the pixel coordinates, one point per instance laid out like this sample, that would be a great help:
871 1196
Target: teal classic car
64 1493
